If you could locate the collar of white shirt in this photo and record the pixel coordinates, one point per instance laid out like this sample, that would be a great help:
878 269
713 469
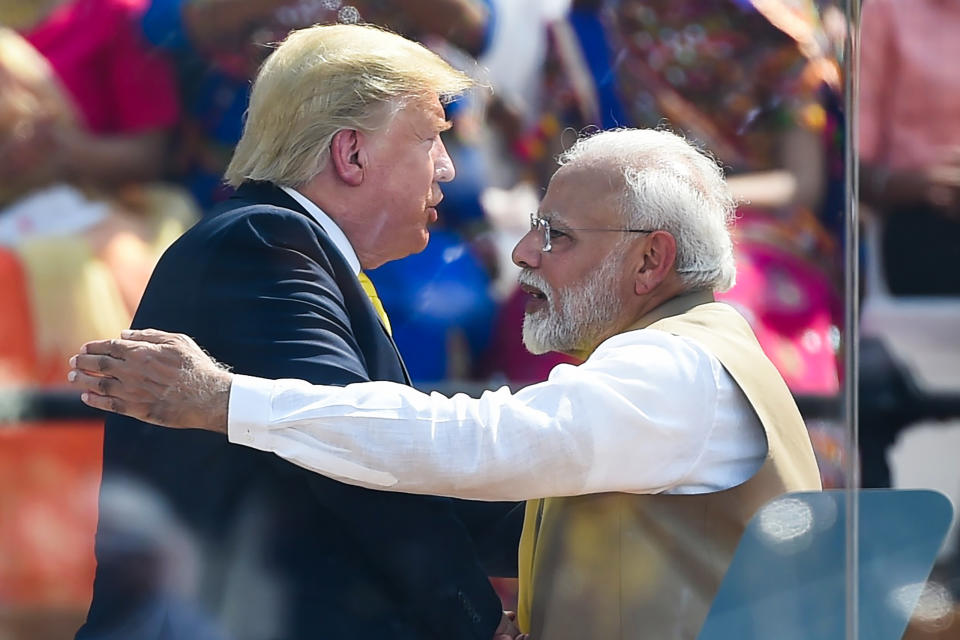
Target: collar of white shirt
336 235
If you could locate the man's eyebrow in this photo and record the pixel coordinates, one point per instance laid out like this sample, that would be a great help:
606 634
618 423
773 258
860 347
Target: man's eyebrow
444 125
552 217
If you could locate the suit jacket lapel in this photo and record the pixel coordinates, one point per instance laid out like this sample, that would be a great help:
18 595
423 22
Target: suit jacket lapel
268 193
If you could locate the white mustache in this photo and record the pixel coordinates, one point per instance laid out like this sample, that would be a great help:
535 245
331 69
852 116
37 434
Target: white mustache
532 278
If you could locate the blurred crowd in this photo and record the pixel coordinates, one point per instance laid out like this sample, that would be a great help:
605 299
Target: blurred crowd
118 117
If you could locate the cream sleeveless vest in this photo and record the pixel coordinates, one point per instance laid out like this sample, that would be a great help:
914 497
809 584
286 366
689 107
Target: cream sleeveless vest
631 566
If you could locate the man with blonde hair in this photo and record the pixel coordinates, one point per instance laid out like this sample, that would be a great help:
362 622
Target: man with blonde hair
338 170
641 467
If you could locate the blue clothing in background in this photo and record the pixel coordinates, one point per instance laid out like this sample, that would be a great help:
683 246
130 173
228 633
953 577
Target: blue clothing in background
214 104
429 296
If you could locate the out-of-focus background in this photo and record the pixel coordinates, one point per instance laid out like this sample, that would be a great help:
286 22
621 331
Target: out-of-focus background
118 117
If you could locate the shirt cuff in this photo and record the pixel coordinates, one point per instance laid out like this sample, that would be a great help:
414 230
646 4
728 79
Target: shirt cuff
249 411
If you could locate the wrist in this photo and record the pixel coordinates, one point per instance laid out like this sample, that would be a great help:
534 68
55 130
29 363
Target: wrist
221 386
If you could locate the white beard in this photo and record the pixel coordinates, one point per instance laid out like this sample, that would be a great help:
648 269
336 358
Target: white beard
576 318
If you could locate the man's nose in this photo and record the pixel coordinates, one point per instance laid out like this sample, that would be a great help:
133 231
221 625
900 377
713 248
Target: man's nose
443 170
526 254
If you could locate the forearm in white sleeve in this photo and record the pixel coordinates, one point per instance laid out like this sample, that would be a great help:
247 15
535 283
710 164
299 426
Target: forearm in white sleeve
615 424
389 436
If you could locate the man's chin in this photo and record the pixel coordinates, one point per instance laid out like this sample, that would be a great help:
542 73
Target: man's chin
420 244
531 341
534 348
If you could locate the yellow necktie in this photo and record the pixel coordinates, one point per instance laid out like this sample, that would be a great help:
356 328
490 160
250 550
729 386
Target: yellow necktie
371 292
532 514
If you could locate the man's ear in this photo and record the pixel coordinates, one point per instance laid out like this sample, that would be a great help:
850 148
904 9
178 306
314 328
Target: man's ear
656 262
346 156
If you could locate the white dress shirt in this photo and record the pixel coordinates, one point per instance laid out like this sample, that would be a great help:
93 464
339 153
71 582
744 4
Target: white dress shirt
648 412
336 235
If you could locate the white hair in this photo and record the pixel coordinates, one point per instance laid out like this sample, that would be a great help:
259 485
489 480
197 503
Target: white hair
671 185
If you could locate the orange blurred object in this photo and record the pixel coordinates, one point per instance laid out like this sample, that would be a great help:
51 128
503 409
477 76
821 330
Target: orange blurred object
18 359
49 481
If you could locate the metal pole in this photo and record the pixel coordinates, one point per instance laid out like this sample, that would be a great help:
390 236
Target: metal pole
851 316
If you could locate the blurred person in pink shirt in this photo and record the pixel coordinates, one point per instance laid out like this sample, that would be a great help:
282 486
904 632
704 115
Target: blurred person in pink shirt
123 92
910 139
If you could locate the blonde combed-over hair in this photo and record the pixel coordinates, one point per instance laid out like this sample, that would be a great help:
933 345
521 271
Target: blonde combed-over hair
324 79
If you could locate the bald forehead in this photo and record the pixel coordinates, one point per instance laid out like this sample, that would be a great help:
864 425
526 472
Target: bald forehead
587 191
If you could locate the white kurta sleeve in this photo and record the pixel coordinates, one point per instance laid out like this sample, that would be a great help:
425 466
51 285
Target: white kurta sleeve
635 417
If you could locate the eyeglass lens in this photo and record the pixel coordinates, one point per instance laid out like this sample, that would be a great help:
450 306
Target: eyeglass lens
544 226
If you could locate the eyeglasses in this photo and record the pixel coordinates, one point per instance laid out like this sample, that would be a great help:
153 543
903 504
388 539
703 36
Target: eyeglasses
549 235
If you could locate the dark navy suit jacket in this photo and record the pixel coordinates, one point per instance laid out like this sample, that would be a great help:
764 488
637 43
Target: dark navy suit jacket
281 553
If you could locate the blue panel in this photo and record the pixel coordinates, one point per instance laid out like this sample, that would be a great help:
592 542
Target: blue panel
787 578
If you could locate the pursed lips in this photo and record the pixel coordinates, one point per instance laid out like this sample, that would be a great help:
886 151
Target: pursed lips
431 209
436 200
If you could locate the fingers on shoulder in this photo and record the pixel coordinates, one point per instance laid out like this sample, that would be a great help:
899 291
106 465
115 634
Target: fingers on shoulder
95 363
101 385
118 405
154 336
